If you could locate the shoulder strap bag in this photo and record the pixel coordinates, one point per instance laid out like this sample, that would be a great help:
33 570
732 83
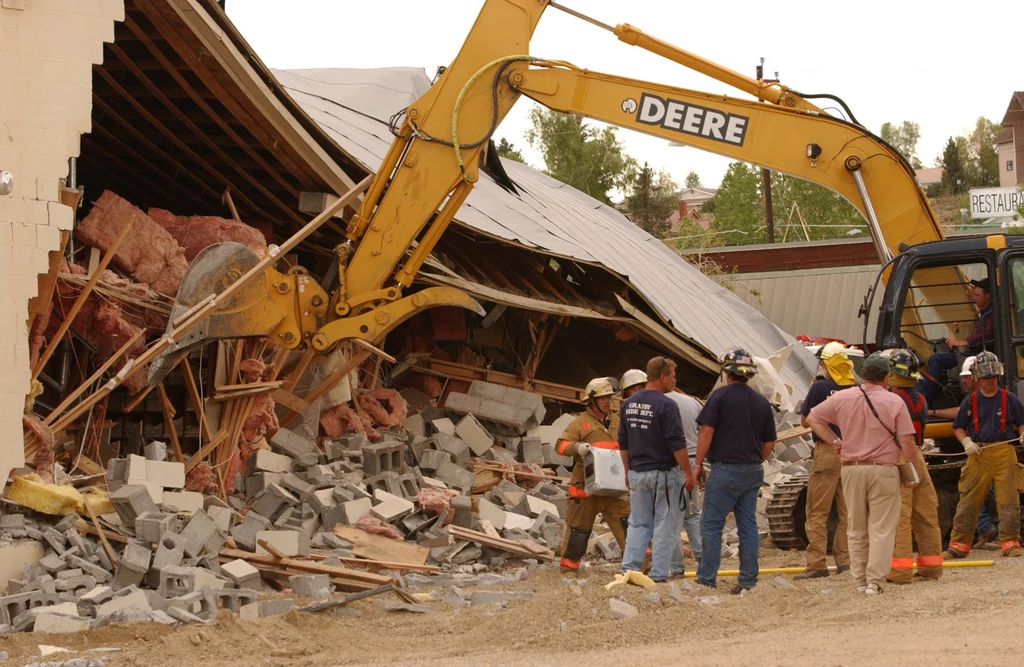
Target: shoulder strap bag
908 473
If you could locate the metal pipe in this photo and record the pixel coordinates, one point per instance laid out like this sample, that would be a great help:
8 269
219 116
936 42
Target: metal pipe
876 229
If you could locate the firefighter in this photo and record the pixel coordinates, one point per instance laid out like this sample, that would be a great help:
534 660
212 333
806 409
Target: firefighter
632 381
985 427
919 511
825 485
590 429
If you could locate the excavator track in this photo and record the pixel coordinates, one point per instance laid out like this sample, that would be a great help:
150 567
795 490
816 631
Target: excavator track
785 512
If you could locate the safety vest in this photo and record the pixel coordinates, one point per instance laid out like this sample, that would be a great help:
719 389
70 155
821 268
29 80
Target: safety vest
973 412
918 412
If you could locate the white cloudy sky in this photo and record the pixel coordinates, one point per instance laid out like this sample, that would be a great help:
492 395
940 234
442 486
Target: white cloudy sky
890 61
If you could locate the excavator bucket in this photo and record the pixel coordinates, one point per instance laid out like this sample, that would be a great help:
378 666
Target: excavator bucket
248 312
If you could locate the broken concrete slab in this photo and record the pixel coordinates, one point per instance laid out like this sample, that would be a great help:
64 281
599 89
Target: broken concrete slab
473 433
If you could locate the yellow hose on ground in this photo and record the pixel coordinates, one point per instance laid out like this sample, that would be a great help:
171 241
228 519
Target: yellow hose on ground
832 568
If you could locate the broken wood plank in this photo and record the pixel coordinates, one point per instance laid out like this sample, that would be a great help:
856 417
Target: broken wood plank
299 369
76 307
512 546
70 398
87 465
377 547
373 348
290 401
100 533
197 401
168 410
308 566
326 385
205 450
791 433
479 466
231 395
138 399
250 385
271 549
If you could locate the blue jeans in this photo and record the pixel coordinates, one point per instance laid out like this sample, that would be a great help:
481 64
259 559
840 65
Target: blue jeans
938 366
653 511
689 520
731 487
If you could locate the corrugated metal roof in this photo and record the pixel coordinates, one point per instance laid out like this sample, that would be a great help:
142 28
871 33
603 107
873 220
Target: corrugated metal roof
813 302
353 105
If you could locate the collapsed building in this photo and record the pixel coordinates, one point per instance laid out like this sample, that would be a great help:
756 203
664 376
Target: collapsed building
249 457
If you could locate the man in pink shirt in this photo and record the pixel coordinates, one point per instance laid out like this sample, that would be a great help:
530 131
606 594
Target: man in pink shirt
876 426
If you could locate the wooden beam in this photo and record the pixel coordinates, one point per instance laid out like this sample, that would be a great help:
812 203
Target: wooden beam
101 533
326 385
82 387
168 410
38 304
206 450
290 401
196 398
299 369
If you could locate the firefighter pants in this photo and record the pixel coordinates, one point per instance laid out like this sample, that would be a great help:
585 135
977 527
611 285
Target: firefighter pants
998 464
824 486
580 515
919 520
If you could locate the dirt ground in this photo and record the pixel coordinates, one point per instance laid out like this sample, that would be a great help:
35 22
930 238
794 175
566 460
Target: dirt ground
971 614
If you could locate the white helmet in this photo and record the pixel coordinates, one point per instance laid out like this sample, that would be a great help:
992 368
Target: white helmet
831 349
632 378
598 388
968 368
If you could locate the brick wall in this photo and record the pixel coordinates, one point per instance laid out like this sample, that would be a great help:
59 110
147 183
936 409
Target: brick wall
47 49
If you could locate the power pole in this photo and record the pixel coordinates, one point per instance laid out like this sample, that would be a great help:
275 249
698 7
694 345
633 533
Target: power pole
766 175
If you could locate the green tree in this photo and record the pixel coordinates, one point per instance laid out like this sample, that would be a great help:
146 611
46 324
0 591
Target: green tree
739 205
904 139
954 175
651 198
984 160
692 180
508 151
827 214
588 158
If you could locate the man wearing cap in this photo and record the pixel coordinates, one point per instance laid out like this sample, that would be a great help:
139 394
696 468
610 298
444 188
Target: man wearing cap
825 486
592 428
980 339
919 505
653 450
737 433
988 425
876 430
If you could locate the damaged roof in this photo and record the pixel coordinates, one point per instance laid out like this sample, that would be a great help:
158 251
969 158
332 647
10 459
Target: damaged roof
352 106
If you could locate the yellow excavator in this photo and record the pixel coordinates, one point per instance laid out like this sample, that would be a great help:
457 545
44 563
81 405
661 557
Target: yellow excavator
434 162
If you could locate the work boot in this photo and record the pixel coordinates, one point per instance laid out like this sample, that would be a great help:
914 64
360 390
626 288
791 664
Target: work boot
1013 552
986 536
842 568
738 590
811 574
953 554
872 589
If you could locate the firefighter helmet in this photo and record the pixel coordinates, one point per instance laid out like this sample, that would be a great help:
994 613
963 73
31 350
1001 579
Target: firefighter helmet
738 361
987 365
904 362
632 378
829 349
598 388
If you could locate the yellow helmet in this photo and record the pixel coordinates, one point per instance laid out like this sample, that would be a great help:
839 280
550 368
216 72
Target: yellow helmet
632 378
598 388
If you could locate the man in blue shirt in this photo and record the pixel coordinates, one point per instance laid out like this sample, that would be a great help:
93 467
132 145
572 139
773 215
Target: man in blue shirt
980 339
737 434
653 450
988 425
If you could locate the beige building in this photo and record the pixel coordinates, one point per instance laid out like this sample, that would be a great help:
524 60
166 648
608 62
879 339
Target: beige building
1010 143
47 48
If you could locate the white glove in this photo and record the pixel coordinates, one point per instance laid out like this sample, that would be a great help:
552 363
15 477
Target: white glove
582 448
970 447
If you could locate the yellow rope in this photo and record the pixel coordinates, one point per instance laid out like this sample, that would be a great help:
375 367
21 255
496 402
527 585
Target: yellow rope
798 570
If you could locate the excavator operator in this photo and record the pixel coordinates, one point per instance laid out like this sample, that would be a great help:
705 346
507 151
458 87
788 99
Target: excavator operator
593 428
981 339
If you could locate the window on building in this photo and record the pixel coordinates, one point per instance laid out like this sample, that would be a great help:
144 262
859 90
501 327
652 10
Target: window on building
1009 165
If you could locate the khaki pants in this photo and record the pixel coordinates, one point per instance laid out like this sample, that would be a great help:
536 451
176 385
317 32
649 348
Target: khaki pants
824 486
873 504
919 520
996 464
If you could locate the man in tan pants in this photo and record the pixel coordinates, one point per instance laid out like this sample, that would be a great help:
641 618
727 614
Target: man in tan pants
876 429
825 486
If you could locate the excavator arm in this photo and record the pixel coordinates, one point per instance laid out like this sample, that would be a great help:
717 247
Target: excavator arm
432 166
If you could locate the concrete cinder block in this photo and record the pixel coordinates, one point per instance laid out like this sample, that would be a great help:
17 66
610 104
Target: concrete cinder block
538 506
276 607
259 482
267 461
288 542
132 567
474 434
384 457
168 474
391 508
455 476
291 482
176 580
135 598
273 501
170 550
444 425
245 533
291 444
241 573
224 517
130 501
354 510
151 526
432 459
155 451
197 533
531 451
491 512
60 623
310 585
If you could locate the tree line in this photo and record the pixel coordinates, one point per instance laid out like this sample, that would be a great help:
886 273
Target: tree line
593 160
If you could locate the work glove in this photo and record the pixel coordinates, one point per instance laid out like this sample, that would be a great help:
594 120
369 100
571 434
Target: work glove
582 448
970 447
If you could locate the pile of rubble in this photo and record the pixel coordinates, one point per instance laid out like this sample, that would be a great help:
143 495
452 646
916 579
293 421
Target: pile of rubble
458 491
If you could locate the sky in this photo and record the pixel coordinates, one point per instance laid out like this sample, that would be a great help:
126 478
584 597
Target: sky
889 61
